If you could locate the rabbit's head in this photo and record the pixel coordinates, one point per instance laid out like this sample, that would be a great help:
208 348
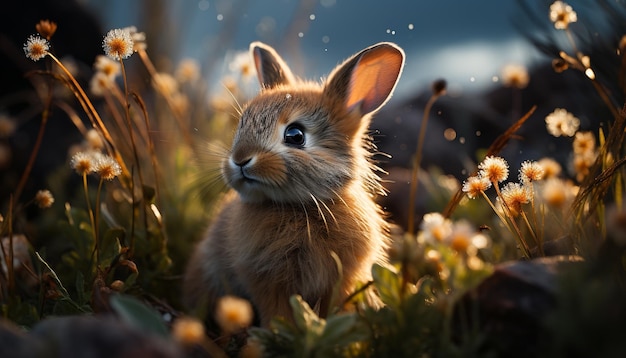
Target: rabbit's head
300 141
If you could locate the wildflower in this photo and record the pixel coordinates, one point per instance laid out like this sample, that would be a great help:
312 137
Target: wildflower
44 199
514 196
139 38
475 185
581 165
36 48
118 44
515 76
551 168
465 239
7 126
557 192
242 64
495 169
562 14
188 330
179 103
530 172
165 83
188 71
107 66
100 84
46 28
233 313
562 123
84 162
584 142
94 139
435 228
107 167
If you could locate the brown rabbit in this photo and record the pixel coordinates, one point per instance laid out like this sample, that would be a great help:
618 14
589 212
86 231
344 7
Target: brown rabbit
304 188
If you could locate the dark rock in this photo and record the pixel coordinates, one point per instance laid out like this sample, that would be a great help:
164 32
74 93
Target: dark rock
507 310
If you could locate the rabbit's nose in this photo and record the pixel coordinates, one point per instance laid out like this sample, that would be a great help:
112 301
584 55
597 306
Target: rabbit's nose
241 162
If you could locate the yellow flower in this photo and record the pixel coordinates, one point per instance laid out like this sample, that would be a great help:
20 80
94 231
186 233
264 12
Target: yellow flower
44 199
187 330
475 185
118 44
495 169
561 14
36 48
233 314
515 76
562 123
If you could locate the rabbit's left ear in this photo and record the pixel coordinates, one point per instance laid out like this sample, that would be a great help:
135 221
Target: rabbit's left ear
270 68
367 80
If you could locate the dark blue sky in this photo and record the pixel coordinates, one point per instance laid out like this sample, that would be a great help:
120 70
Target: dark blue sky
465 42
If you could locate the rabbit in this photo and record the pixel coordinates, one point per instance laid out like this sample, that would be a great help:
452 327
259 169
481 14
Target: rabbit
303 190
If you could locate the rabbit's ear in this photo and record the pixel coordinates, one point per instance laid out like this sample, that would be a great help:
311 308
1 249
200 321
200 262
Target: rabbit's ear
270 68
366 81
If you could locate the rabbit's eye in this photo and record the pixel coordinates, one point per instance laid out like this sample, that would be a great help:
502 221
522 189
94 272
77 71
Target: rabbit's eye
294 135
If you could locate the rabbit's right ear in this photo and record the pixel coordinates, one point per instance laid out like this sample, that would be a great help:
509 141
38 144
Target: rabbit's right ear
270 68
367 80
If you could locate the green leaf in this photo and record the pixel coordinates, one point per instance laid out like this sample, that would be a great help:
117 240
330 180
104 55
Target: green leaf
137 314
388 284
344 329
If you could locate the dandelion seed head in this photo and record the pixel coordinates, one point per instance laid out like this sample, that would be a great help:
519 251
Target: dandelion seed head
495 169
118 44
551 168
515 195
556 192
100 83
475 185
530 171
139 38
188 71
435 228
44 199
233 314
107 66
584 143
562 14
107 167
36 48
165 83
562 123
94 140
84 162
515 76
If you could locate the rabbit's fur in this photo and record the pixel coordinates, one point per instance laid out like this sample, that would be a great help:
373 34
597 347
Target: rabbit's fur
304 188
